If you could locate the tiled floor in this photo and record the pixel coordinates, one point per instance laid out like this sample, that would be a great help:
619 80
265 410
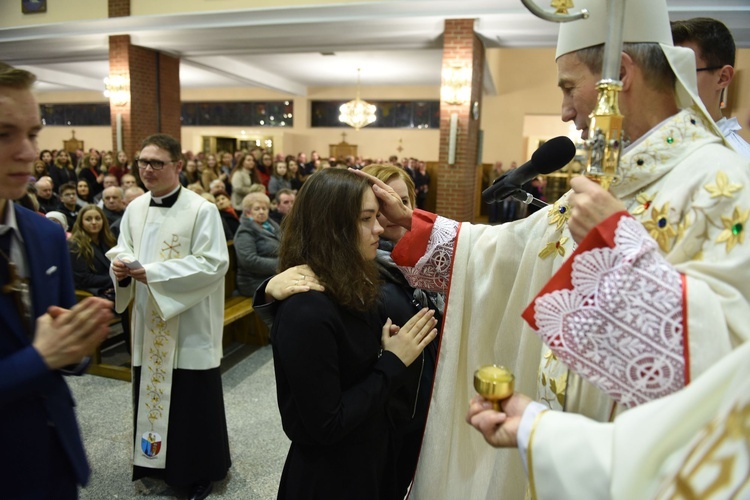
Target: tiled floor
258 444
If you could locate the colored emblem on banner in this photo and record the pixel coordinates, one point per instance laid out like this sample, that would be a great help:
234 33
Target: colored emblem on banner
150 444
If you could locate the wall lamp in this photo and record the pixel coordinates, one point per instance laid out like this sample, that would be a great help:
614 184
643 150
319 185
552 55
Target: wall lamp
456 88
117 89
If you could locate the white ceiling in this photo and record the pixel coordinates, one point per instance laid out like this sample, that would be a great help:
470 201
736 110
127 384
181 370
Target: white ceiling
395 43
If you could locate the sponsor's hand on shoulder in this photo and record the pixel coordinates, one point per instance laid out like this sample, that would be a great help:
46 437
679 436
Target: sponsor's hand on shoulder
297 279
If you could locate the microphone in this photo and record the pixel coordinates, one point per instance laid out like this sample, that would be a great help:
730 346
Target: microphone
551 156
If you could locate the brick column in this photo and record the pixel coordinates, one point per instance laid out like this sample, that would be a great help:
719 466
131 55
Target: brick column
154 103
457 183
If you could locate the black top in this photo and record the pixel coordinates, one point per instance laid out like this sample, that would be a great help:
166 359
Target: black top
231 222
91 280
90 176
333 388
61 176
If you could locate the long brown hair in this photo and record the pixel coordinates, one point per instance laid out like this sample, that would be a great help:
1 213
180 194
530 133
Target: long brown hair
322 231
81 241
240 165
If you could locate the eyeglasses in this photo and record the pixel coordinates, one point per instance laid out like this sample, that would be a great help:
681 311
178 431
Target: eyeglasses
708 68
155 164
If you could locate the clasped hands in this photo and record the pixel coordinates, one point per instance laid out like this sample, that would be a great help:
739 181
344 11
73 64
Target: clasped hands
64 337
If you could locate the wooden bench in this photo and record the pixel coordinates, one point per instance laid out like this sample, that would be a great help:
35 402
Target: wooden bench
241 324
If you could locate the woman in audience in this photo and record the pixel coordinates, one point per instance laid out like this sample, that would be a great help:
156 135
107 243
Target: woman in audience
189 176
108 162
89 242
295 181
343 445
279 179
83 193
46 157
229 217
243 176
121 166
225 165
59 219
256 243
264 168
40 169
211 172
63 170
91 173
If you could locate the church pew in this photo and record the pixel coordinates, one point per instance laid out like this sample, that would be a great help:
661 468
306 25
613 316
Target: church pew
241 324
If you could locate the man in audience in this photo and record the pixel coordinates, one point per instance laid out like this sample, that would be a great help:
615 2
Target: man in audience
45 195
216 186
39 338
349 162
284 202
130 194
314 156
305 169
128 181
69 202
714 49
109 181
114 205
171 258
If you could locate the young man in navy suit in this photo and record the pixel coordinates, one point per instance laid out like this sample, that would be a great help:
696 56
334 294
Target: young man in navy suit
42 331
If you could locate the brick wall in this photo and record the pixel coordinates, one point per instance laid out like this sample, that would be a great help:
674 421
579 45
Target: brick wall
154 104
119 8
457 183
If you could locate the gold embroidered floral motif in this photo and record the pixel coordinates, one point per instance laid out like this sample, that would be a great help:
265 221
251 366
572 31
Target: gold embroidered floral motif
156 373
660 228
559 213
682 227
558 386
554 247
552 389
550 357
644 202
733 232
722 187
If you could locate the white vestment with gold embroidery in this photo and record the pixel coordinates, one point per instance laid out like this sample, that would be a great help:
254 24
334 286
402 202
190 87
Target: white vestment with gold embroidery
178 316
692 444
687 189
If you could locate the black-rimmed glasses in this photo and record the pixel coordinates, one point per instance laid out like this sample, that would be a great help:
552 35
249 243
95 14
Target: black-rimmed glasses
155 164
708 68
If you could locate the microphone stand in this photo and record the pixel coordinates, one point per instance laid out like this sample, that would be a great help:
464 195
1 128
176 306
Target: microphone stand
528 199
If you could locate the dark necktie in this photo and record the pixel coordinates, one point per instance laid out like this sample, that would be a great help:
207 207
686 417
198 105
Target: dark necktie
5 248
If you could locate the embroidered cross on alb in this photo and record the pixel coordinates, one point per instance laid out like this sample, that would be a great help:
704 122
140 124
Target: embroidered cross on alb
171 249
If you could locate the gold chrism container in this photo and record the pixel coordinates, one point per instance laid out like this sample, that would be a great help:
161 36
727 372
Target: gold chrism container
494 383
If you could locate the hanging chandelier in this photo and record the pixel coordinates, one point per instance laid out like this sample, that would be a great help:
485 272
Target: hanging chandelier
357 113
